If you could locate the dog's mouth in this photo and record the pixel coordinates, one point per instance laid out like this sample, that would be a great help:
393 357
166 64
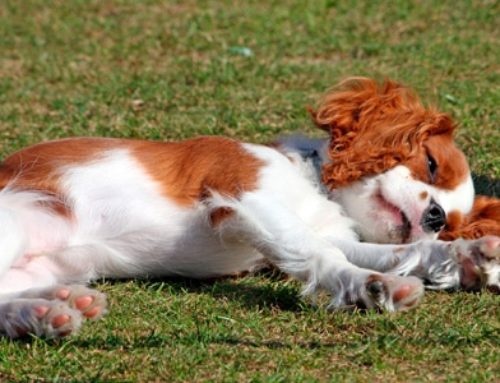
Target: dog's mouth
403 223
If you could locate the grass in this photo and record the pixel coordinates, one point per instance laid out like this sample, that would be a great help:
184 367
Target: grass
171 70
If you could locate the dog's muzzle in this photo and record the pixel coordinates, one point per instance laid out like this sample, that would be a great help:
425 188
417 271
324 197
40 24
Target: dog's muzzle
434 218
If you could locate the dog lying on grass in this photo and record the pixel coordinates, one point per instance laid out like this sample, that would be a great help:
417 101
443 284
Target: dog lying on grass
357 214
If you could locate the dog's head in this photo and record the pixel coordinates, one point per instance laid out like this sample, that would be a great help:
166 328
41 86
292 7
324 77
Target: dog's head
393 162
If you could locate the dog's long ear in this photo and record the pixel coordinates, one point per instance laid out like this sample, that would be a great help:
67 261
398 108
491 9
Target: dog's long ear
356 101
373 127
484 219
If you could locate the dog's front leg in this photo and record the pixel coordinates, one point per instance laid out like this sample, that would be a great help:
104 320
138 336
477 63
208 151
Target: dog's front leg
461 264
293 247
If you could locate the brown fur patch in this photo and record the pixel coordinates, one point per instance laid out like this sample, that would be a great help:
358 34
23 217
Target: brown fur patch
186 171
374 127
220 214
484 219
423 195
452 168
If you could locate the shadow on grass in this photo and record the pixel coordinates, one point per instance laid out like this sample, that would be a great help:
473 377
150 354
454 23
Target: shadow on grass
155 340
274 292
486 186
442 337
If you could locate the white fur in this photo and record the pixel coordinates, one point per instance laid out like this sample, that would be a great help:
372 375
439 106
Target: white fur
28 227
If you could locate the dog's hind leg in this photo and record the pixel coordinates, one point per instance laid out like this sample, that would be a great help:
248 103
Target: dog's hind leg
13 240
50 312
37 297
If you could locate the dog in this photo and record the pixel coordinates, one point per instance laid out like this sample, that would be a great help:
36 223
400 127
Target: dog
357 214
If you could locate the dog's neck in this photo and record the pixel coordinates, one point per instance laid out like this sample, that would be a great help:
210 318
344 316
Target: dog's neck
310 154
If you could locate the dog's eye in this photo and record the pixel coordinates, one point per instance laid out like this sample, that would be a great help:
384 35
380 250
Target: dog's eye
432 167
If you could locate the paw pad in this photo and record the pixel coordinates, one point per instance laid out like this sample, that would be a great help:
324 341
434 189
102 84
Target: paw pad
393 293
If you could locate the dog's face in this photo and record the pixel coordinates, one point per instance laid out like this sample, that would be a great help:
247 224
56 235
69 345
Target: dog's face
395 207
394 166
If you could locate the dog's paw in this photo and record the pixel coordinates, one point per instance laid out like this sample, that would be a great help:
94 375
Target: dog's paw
41 317
479 262
392 293
51 312
91 303
383 292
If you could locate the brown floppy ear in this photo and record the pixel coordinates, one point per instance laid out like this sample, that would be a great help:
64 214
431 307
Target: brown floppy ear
373 127
484 219
357 99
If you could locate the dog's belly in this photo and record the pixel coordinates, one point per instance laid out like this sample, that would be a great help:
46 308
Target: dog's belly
175 242
205 258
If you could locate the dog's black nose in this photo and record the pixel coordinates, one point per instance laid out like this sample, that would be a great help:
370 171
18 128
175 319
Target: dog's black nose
434 218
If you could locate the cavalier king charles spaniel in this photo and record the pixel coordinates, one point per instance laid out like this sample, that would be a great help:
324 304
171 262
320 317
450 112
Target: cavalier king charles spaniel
363 214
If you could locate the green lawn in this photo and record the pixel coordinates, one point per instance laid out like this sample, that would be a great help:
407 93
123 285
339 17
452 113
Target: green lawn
171 70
